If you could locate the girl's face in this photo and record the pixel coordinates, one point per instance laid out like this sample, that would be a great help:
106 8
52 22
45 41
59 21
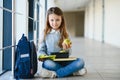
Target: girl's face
55 21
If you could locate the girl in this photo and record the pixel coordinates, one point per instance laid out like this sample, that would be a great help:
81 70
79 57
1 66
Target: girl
53 41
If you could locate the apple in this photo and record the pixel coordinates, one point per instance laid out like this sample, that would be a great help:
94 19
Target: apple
67 41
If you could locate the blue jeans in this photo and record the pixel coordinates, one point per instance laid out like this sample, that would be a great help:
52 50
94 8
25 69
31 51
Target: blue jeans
63 68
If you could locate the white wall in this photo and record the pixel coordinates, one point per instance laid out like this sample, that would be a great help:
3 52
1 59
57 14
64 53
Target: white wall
98 18
42 17
93 20
95 28
21 19
86 22
89 20
50 3
112 22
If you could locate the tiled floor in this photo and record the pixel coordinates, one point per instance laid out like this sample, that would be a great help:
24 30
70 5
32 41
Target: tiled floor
102 61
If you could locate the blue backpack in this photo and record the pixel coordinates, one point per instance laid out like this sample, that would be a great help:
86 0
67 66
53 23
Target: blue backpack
25 59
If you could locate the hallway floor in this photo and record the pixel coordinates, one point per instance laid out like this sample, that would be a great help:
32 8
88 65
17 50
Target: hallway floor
102 61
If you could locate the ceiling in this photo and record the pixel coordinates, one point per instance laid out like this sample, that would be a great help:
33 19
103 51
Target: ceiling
71 5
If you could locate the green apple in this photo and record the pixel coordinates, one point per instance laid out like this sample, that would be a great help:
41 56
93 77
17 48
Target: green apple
67 41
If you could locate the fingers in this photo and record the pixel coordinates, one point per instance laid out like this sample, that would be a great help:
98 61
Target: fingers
40 59
66 46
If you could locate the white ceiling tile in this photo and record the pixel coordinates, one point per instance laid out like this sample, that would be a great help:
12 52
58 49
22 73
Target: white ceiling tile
71 5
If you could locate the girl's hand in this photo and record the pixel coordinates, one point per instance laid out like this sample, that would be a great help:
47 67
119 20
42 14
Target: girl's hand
66 44
42 57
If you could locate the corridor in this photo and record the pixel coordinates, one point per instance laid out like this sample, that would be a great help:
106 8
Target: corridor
102 61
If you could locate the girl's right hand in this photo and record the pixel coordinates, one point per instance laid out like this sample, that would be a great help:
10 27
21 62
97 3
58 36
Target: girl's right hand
66 44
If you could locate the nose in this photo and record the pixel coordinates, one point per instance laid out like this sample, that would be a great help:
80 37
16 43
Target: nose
55 22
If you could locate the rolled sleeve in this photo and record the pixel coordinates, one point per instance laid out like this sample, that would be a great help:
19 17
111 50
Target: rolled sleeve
42 48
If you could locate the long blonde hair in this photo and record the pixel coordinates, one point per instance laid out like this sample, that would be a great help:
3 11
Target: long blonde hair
62 28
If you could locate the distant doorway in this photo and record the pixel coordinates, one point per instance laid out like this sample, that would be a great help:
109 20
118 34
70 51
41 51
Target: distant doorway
75 23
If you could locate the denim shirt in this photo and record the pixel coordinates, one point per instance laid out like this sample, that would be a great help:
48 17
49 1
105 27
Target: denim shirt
50 44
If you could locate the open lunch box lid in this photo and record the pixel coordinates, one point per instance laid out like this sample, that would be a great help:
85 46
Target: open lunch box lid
60 54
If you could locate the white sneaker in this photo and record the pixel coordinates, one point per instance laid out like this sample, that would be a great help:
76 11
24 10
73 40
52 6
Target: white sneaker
44 73
81 72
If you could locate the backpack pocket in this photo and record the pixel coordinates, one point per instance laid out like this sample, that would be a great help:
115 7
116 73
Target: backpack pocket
23 68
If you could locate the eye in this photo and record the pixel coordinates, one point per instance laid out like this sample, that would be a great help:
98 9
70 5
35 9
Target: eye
57 19
51 20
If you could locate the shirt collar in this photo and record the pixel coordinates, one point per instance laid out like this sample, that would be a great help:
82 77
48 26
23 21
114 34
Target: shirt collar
54 31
